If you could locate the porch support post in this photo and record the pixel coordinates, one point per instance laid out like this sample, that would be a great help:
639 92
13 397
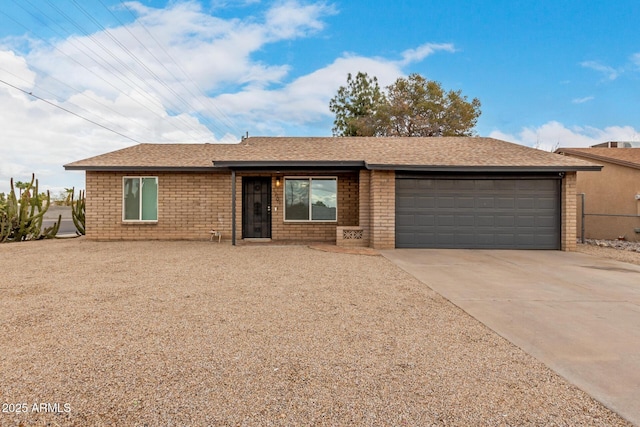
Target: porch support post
233 207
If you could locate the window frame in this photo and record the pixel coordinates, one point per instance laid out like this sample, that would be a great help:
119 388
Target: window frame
310 180
138 221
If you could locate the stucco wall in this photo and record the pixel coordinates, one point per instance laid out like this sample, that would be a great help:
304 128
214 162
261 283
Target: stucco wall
610 205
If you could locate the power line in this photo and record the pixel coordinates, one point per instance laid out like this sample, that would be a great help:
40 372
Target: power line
70 112
226 118
108 67
84 95
92 72
115 58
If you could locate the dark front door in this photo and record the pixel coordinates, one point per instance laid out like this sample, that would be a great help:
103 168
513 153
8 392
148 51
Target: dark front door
256 207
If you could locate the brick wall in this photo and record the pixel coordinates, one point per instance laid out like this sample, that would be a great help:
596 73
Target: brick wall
569 210
189 205
348 209
364 220
383 209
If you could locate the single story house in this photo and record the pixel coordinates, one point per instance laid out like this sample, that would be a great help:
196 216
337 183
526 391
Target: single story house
611 197
458 192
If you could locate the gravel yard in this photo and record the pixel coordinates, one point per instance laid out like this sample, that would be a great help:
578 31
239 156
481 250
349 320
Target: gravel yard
197 333
612 249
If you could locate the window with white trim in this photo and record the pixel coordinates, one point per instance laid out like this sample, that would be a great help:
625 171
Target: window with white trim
140 198
311 199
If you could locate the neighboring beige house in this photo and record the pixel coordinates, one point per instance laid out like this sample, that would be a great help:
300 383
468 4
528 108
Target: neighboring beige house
380 192
612 197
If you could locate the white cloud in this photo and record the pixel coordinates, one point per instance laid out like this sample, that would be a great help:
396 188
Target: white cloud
582 100
14 67
105 84
227 89
305 99
610 73
292 19
553 135
418 54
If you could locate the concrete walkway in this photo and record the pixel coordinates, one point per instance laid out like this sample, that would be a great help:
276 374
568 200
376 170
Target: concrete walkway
578 314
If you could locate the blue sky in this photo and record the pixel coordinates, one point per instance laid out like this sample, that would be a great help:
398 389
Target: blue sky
548 73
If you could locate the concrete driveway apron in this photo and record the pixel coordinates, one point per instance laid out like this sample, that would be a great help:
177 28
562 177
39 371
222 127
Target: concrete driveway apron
578 314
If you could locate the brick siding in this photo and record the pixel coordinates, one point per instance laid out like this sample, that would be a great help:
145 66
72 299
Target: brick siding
383 209
364 220
569 211
192 203
312 231
189 205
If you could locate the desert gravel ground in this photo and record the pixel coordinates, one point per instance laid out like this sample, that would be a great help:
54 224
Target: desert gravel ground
631 257
197 333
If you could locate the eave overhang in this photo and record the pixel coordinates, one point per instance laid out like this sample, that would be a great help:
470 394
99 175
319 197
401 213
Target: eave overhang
141 168
483 169
296 164
333 165
590 156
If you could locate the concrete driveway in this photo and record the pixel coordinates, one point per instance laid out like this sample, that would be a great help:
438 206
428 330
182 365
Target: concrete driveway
578 314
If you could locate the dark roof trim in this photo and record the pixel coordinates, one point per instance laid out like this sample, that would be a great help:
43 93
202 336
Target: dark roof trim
336 165
255 164
578 153
141 168
480 175
435 168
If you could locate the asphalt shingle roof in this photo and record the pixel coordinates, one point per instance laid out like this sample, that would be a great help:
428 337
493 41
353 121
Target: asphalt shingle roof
392 153
629 157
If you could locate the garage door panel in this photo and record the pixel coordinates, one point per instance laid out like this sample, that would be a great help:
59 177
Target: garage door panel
445 202
505 203
426 220
505 240
465 202
425 183
425 202
546 203
485 220
524 185
523 221
477 213
465 220
505 221
464 239
486 239
546 222
404 203
527 202
485 202
405 220
445 220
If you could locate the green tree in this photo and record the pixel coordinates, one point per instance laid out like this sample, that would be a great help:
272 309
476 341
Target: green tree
413 106
357 107
420 107
21 186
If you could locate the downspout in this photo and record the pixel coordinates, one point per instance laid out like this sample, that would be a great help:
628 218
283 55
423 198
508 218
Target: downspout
233 207
582 196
